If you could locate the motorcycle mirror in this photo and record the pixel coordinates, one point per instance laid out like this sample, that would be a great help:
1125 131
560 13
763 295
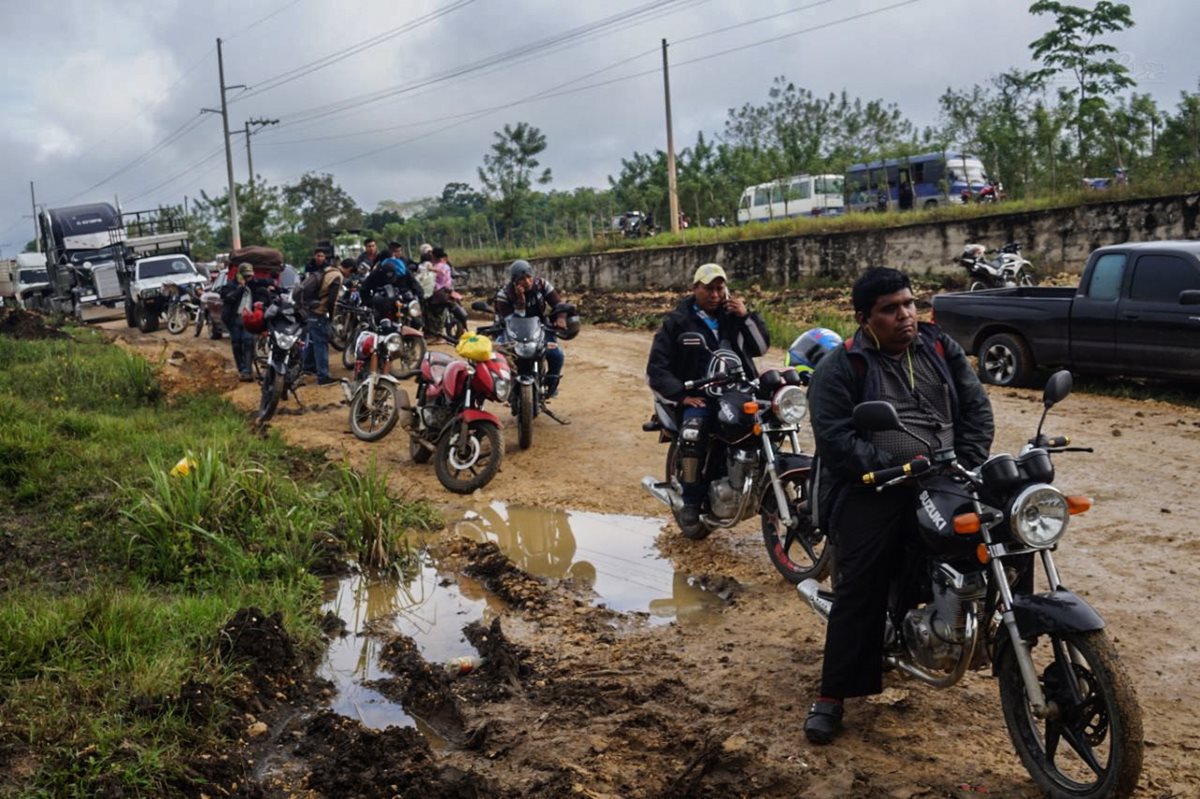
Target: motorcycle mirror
480 305
1058 387
876 416
1189 297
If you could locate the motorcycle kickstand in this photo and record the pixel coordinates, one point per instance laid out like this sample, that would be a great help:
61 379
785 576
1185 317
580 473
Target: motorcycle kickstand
554 416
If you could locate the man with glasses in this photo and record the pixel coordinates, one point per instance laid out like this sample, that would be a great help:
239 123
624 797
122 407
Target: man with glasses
725 323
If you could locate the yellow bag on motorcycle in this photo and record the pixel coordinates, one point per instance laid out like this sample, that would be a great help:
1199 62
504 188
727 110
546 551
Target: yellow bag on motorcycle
474 347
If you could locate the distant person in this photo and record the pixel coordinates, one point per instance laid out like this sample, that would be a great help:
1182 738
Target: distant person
397 251
235 296
905 199
319 297
316 264
882 199
370 255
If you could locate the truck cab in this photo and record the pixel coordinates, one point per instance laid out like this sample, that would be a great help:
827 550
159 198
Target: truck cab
32 281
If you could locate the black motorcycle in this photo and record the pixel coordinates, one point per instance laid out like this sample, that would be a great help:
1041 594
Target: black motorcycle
965 600
347 311
284 365
523 340
748 468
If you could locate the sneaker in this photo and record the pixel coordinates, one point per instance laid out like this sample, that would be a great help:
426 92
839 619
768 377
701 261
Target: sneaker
824 721
246 377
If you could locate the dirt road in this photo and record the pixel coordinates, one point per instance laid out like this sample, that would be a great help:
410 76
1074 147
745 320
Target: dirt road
611 708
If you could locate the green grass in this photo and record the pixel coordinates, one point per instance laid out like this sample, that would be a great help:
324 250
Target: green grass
118 575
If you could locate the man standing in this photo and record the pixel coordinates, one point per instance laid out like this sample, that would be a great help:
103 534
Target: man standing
319 296
235 296
724 322
928 379
316 265
369 256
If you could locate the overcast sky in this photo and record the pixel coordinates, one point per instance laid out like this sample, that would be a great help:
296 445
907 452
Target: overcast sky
103 97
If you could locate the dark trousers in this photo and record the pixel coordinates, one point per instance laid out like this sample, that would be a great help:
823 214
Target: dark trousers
869 533
316 353
242 343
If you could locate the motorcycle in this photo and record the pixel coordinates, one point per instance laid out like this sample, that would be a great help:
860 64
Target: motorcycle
746 466
183 306
210 309
1006 269
1068 704
409 321
284 364
345 314
448 421
448 319
523 339
374 408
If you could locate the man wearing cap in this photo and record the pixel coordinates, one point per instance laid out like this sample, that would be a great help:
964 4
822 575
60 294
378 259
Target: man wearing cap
529 296
233 293
319 294
724 322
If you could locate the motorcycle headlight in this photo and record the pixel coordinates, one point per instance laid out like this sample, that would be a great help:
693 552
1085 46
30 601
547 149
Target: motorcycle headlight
414 309
1039 516
503 387
790 404
394 344
287 340
525 349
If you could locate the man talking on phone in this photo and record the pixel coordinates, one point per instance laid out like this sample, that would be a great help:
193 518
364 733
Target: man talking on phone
724 323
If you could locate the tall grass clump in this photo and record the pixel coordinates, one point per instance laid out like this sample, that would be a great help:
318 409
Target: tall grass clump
376 524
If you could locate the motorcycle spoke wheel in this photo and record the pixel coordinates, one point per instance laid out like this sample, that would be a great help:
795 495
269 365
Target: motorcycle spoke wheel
464 472
799 553
412 350
348 350
1091 746
373 422
525 416
177 320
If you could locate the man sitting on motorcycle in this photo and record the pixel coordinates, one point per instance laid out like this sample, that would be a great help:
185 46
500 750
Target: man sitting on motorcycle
724 322
527 296
390 272
928 379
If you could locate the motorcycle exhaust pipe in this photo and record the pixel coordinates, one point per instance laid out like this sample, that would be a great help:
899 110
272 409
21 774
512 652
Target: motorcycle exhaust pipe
811 591
663 493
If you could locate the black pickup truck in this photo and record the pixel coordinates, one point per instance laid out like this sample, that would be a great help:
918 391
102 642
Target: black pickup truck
1134 313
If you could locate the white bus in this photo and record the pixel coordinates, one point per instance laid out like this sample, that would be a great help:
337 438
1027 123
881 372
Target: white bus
802 195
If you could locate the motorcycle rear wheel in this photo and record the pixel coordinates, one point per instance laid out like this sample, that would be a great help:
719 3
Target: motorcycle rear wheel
455 327
1098 723
525 416
338 330
177 320
800 553
462 476
979 285
272 392
374 422
351 342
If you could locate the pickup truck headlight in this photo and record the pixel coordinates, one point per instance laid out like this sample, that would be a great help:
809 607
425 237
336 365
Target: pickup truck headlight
153 291
1039 515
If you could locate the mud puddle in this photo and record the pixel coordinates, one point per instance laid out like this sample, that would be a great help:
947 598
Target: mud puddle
610 556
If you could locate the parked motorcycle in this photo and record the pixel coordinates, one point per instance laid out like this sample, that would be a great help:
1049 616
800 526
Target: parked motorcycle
1069 705
284 364
523 339
410 322
446 320
183 306
345 314
374 408
448 421
746 466
210 309
1006 268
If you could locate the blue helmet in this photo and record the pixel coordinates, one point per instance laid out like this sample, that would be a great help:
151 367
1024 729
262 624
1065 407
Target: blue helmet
810 347
396 264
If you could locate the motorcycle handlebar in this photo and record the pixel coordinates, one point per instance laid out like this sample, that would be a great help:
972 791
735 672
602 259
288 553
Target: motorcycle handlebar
917 466
1050 442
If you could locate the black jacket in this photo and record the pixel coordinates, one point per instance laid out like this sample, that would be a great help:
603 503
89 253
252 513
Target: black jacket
385 275
540 300
846 377
671 363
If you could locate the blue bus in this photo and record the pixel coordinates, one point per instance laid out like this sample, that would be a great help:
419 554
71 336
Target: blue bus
936 179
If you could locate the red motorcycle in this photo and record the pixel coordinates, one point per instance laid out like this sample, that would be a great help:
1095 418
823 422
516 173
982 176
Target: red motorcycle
448 420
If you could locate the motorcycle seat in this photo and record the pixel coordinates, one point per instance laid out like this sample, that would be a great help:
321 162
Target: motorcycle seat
433 367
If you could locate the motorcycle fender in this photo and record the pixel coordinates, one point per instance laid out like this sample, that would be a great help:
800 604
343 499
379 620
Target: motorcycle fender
1059 611
476 415
405 330
791 464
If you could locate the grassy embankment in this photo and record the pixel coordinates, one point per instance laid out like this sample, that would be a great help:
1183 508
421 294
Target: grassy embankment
116 576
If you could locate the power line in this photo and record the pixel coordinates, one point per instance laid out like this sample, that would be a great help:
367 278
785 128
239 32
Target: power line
261 20
180 174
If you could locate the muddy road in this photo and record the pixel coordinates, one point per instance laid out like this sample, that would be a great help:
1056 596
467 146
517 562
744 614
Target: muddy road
601 704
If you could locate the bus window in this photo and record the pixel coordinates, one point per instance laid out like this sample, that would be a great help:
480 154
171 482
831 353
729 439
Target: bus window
827 185
918 172
762 196
745 202
800 190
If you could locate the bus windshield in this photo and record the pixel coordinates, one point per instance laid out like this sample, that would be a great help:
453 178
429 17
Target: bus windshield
970 173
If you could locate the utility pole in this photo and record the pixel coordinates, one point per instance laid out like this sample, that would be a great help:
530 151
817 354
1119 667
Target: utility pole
37 227
672 194
249 158
235 232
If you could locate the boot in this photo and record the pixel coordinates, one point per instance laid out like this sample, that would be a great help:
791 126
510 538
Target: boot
689 520
551 385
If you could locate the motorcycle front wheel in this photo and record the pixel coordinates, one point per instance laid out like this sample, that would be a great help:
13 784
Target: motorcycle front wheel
272 392
463 472
199 321
177 319
262 351
800 553
525 416
373 422
1092 745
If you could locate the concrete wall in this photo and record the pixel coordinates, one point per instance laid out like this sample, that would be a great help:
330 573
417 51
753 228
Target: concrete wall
1054 241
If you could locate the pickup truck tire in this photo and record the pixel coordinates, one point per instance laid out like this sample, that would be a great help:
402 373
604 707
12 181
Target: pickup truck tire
1004 360
147 320
130 314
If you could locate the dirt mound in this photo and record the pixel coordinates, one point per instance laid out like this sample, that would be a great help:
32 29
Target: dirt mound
196 372
348 760
259 639
486 563
422 688
19 323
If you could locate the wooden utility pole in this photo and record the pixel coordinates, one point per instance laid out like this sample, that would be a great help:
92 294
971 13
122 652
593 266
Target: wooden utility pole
672 194
37 226
234 231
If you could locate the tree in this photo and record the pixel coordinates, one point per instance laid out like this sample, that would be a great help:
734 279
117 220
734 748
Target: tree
322 205
1072 47
508 171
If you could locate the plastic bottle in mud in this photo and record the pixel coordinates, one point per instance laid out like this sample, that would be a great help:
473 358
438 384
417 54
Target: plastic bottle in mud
457 667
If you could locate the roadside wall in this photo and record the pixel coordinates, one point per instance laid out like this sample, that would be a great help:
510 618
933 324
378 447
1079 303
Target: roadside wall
1054 241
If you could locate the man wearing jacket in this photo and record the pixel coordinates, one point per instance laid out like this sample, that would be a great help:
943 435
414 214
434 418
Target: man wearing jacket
724 323
928 379
319 294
